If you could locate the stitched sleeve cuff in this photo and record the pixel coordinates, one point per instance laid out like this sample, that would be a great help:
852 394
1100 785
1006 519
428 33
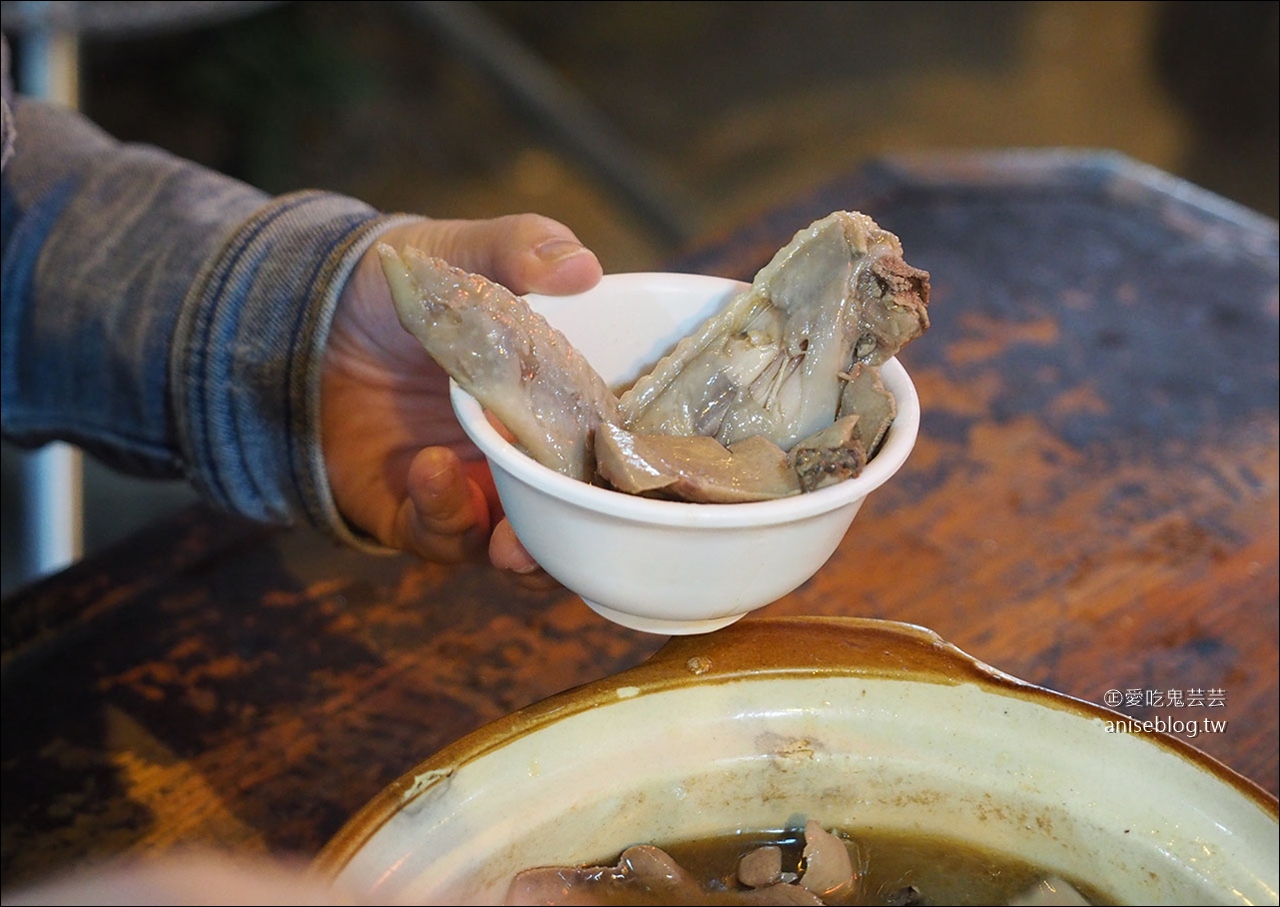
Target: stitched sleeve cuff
247 354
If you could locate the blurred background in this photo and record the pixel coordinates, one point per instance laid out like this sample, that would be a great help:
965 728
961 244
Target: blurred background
649 127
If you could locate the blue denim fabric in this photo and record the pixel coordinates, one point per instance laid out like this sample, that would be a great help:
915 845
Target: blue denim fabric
247 351
168 319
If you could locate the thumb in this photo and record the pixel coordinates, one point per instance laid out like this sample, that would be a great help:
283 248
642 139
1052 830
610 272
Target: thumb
527 253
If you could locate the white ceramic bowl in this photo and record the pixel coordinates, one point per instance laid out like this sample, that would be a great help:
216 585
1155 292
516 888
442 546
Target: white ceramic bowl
859 724
664 566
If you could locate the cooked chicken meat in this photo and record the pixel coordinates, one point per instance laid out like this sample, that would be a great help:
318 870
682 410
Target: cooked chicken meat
790 365
775 361
505 355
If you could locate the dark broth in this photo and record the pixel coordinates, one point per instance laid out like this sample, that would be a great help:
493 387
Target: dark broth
945 871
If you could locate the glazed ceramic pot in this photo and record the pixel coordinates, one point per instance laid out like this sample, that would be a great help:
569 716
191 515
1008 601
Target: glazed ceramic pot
855 723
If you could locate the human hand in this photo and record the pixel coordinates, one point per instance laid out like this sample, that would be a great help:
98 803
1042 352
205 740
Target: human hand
186 878
400 467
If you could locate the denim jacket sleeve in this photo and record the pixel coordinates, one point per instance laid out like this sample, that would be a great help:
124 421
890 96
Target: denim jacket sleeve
168 319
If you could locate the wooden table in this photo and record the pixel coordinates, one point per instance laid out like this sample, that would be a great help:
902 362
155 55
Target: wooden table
1092 506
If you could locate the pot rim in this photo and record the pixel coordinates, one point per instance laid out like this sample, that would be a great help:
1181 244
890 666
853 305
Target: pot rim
758 650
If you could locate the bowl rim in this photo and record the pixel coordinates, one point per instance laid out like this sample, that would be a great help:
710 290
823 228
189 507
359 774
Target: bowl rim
894 451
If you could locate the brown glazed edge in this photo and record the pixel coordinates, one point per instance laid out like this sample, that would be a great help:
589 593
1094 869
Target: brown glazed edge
756 649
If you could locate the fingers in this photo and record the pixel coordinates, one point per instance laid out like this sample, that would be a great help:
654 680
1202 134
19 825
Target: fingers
446 516
506 552
556 262
527 253
194 877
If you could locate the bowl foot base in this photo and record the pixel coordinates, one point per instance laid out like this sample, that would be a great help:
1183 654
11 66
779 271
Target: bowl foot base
659 625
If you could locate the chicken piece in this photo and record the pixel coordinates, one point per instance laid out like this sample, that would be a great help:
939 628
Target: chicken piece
644 875
760 867
830 871
832 455
865 396
697 469
505 355
775 361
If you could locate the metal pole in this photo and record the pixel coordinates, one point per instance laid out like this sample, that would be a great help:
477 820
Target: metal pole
53 476
565 113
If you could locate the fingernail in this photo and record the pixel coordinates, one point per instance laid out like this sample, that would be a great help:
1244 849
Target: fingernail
554 250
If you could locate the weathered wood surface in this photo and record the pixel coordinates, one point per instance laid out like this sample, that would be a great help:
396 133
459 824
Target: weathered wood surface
1091 505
